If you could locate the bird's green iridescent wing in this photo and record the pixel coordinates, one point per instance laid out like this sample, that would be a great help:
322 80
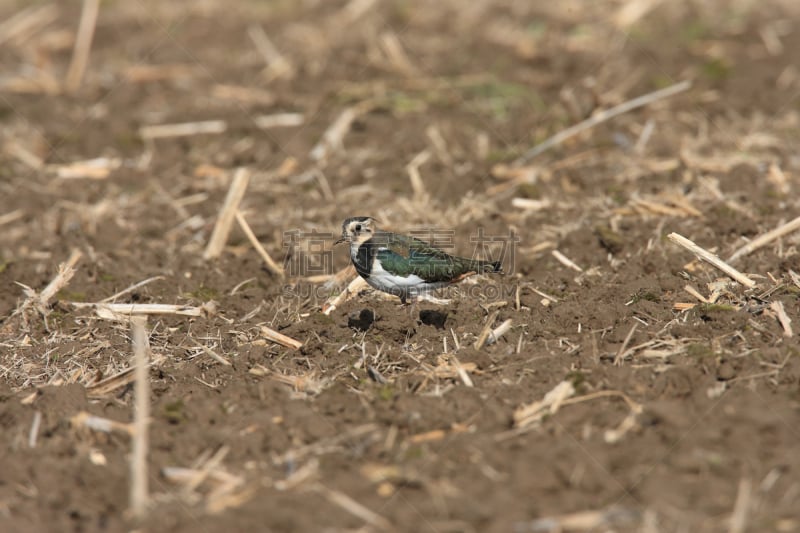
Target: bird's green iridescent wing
403 255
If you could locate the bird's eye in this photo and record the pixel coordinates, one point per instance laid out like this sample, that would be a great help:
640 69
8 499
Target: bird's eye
358 227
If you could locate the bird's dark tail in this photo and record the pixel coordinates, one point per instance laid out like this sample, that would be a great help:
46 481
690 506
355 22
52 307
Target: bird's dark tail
489 267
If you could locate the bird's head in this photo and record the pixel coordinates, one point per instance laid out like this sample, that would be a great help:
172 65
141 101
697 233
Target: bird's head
357 230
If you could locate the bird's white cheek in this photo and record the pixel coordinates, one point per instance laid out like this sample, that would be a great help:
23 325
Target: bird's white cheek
353 250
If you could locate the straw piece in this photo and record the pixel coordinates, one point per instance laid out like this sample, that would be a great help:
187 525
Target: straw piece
353 507
630 12
138 496
771 39
435 137
98 423
779 179
83 45
279 338
279 120
186 129
113 311
682 209
694 292
102 388
715 261
23 155
499 331
428 436
354 287
783 318
600 117
298 476
243 95
621 354
333 139
612 436
530 204
566 261
131 288
226 489
42 83
65 273
448 371
97 169
33 434
532 414
227 213
487 330
462 372
277 65
741 508
351 12
544 295
765 239
713 163
644 136
632 405
225 496
396 55
606 520
272 266
333 280
795 277
417 185
27 21
179 474
40 301
149 73
215 356
429 297
202 473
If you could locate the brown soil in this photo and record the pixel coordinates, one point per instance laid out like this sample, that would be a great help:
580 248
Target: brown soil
369 424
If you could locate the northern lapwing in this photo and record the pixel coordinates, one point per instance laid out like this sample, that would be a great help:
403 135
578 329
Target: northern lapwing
402 265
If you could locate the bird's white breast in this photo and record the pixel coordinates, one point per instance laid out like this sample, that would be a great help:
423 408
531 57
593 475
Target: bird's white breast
354 251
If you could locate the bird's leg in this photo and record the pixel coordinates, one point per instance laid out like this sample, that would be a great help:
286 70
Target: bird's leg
409 302
412 309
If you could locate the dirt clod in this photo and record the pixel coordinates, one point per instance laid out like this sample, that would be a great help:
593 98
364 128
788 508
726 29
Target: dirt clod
362 322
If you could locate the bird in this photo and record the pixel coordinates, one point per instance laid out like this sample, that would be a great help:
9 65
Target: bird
403 265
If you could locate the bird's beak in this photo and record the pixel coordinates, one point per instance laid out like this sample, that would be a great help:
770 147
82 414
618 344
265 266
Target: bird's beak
339 241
